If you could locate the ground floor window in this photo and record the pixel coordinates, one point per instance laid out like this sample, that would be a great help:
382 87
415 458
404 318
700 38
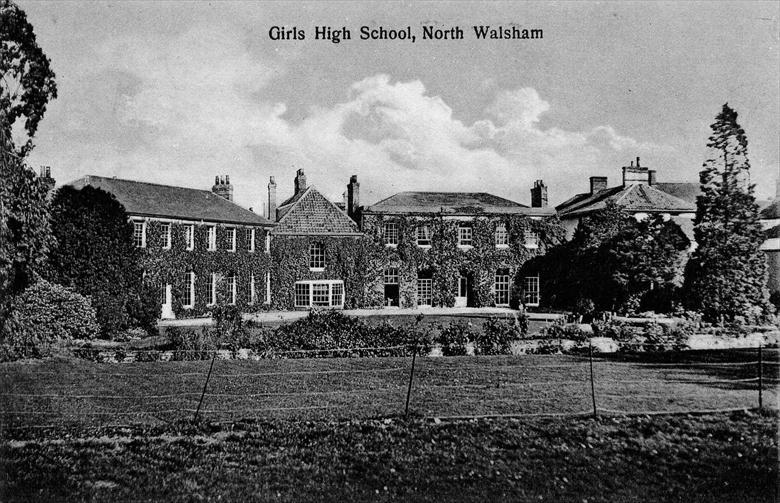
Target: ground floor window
531 290
323 293
188 297
392 294
231 289
424 289
502 287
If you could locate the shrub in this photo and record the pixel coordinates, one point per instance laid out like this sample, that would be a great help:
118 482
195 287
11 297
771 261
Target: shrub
454 337
615 330
46 314
498 334
193 344
561 330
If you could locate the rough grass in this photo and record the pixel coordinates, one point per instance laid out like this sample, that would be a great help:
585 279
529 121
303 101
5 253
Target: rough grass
712 458
71 391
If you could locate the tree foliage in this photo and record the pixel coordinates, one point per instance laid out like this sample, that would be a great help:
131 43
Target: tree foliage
614 263
26 79
726 276
96 257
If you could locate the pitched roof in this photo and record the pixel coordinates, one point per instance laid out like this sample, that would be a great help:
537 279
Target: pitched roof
771 211
636 197
452 203
687 191
167 201
311 213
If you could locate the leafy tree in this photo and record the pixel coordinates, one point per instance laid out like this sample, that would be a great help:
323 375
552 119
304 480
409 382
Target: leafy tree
615 263
96 256
27 79
726 276
26 85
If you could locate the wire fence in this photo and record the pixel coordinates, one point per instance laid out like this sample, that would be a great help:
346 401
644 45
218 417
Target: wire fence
54 393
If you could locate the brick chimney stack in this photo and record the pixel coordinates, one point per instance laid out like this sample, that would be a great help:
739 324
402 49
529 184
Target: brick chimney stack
353 198
633 175
222 187
300 181
539 195
597 184
271 200
651 180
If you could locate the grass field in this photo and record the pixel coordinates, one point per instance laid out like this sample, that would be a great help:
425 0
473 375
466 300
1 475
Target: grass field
72 391
712 458
332 430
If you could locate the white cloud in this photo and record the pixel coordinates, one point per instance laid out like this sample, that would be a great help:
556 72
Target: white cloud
189 106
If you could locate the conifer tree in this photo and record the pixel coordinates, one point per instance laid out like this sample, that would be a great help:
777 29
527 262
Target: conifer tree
726 276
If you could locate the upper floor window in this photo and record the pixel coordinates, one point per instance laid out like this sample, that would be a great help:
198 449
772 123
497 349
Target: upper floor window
502 236
423 236
531 238
250 240
316 256
390 233
189 237
212 235
267 242
465 235
231 237
139 234
166 235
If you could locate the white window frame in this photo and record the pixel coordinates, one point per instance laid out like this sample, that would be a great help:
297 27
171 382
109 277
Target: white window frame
304 293
252 292
232 290
190 288
251 234
390 233
268 287
530 239
501 286
139 224
316 257
212 238
501 236
231 238
464 242
531 286
213 291
267 242
423 233
189 237
166 235
391 276
422 285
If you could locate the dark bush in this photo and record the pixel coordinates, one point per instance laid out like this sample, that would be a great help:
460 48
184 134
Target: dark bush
561 330
497 335
46 314
454 337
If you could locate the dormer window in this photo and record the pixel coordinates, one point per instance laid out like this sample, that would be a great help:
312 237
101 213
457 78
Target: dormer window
316 257
423 236
465 235
502 236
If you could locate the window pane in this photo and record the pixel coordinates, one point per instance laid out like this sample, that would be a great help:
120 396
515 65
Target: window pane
212 238
464 235
391 276
391 233
423 236
138 234
316 256
320 294
424 291
302 294
502 238
531 289
502 287
337 294
531 238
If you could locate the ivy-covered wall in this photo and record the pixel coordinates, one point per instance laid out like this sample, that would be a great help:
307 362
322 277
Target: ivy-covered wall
354 259
168 266
446 261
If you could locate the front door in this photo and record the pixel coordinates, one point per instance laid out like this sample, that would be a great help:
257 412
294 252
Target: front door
462 298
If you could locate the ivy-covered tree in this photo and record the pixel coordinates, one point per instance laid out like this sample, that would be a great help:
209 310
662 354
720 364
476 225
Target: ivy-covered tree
26 78
26 86
726 276
96 256
614 262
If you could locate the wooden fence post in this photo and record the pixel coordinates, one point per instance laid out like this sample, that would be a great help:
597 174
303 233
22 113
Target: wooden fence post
411 377
760 379
592 385
205 385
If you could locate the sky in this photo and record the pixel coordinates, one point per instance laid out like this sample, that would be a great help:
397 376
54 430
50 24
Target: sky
180 92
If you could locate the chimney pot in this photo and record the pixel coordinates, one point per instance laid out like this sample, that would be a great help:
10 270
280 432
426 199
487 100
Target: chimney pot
222 188
300 181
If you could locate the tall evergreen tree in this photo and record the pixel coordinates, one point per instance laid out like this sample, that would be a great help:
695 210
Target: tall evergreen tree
726 276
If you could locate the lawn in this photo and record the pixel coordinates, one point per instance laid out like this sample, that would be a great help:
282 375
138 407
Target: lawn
73 391
712 458
333 429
